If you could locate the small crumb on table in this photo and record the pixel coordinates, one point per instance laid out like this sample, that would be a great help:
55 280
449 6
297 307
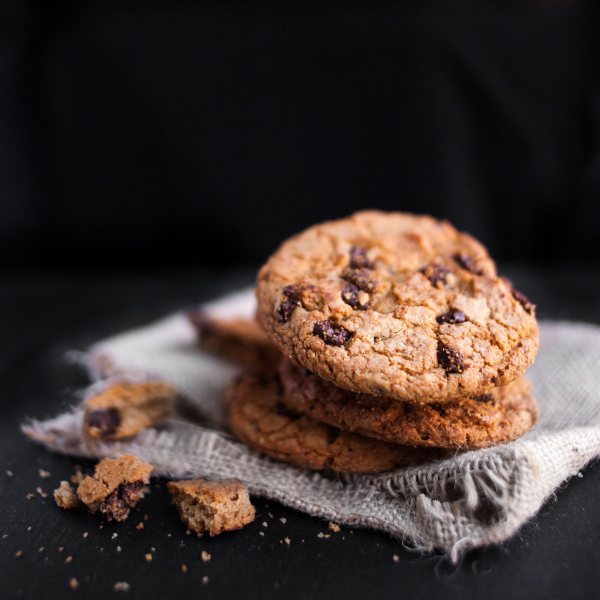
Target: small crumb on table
334 527
44 474
64 495
205 556
121 586
73 584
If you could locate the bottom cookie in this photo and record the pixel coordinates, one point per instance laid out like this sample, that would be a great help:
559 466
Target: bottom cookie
260 419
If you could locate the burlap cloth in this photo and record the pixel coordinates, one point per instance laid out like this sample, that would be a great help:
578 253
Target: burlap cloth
473 499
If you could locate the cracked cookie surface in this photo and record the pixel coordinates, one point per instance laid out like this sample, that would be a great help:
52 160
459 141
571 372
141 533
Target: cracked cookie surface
499 416
259 418
396 305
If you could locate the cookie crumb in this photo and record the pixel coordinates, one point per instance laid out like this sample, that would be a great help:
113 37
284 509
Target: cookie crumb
118 548
333 527
30 496
396 558
320 534
121 586
41 492
283 520
60 548
271 515
265 524
287 541
41 549
205 556
18 553
139 526
212 506
145 517
64 496
10 473
29 528
152 549
205 580
73 584
116 487
148 557
188 532
261 533
85 534
68 559
44 474
5 535
77 478
183 569
114 535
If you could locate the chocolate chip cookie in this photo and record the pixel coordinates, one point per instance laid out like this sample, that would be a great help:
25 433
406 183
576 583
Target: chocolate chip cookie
261 420
237 339
396 305
503 414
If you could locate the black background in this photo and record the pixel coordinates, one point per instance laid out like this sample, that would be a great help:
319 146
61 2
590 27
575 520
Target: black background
178 133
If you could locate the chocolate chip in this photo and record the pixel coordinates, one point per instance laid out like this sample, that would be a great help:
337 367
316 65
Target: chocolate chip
120 501
361 278
359 260
436 274
334 336
350 296
452 316
450 360
466 262
288 305
523 300
107 420
483 398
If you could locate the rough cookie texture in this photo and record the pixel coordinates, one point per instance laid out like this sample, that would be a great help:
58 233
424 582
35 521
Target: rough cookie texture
124 409
427 319
116 487
212 506
65 496
261 420
504 414
237 340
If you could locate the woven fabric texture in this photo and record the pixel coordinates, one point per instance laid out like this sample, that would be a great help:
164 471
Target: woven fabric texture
472 499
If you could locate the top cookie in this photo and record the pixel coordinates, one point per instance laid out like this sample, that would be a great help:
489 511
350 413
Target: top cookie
398 305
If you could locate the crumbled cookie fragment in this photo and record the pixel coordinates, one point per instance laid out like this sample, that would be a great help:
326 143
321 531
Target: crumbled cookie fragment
212 506
183 569
44 474
205 556
121 586
77 478
65 496
124 409
116 487
333 527
30 496
73 584
139 526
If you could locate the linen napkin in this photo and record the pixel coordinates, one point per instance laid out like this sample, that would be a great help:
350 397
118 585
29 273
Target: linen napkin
473 499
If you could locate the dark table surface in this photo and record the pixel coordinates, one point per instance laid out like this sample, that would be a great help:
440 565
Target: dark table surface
42 316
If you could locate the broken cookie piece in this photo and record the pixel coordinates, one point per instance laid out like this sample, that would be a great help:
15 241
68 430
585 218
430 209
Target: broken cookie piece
124 409
65 496
116 487
212 506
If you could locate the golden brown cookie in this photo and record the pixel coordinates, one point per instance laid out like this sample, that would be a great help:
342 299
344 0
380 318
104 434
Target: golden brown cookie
124 409
396 305
212 506
259 418
116 487
237 339
503 414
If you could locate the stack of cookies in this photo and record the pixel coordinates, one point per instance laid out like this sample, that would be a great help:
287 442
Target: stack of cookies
385 340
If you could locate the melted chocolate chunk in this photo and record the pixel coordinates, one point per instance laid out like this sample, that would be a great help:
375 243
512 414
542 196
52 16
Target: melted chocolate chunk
523 300
359 260
361 278
106 420
121 500
350 296
436 274
483 398
289 304
466 262
334 336
450 360
452 316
